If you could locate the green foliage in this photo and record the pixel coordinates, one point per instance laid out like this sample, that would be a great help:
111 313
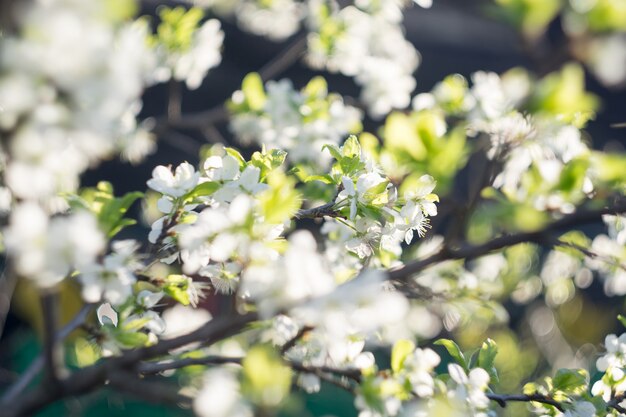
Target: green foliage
562 94
486 358
455 352
266 380
401 349
417 143
607 15
254 97
531 16
268 161
109 210
177 286
119 10
177 27
281 201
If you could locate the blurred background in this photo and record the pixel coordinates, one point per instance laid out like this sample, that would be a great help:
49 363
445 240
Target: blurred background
453 36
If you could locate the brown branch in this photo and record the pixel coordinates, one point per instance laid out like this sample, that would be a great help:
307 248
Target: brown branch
52 349
286 58
325 210
148 368
174 101
8 281
292 342
37 365
474 251
150 391
89 378
502 399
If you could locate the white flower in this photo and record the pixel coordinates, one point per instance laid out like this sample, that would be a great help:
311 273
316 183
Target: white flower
112 280
419 367
47 250
174 185
148 299
353 195
204 54
220 396
180 320
615 356
221 168
247 183
276 20
470 389
106 314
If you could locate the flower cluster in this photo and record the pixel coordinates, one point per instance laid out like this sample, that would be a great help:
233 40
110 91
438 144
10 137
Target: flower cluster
411 387
530 129
69 98
365 41
186 50
276 20
611 259
299 122
376 221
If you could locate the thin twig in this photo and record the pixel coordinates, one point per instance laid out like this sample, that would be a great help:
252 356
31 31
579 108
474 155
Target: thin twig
37 364
7 287
150 391
285 59
325 210
502 399
292 342
149 368
52 352
174 100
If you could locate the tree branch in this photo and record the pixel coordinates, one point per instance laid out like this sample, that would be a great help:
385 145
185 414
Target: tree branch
318 212
87 379
37 365
578 218
286 58
52 350
150 391
502 399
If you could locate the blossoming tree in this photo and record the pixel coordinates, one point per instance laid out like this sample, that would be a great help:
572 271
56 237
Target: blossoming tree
325 243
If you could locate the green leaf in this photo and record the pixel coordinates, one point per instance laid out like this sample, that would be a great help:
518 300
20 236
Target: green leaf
202 190
281 201
487 354
317 87
334 151
454 351
486 358
400 134
112 211
571 381
268 161
235 154
401 350
176 287
254 92
622 319
131 339
326 178
266 380
351 148
377 194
